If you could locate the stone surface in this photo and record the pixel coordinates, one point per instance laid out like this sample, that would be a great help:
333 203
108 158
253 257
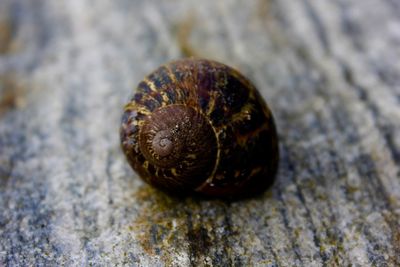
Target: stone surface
328 69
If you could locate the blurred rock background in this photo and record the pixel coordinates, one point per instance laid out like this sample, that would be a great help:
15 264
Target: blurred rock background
328 69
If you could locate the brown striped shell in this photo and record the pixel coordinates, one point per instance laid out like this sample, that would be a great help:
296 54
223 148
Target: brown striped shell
197 125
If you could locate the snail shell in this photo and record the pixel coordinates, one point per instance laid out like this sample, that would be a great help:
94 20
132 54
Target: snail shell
197 125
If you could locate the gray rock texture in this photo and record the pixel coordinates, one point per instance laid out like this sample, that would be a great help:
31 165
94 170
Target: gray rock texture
329 70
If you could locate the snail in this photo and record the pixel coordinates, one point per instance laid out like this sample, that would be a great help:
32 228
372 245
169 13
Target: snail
199 126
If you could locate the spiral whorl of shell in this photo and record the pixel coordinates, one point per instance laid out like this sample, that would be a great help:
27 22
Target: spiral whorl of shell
199 125
180 143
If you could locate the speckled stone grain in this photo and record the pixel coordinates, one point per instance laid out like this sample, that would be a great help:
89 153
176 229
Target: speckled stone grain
329 71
